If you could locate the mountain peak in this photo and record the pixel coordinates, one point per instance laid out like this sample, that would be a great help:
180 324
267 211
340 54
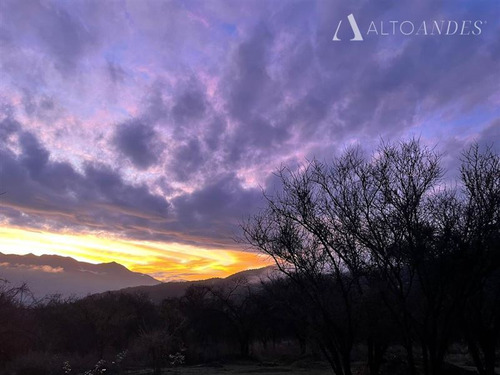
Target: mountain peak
54 274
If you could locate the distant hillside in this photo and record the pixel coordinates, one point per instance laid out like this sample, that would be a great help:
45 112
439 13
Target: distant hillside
172 289
53 274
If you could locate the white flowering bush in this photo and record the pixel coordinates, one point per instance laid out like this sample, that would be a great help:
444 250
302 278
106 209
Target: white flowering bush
120 357
66 368
177 359
99 368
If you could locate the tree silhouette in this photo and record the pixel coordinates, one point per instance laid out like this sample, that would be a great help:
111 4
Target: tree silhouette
342 228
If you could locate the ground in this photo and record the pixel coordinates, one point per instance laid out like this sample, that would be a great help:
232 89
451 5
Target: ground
244 369
271 368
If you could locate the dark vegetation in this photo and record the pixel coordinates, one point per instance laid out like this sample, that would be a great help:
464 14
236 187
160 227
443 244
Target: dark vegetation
384 269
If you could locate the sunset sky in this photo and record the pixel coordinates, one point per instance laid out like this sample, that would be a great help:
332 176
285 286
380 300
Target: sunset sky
143 132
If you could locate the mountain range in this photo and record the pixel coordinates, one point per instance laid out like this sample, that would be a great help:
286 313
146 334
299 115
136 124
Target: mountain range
174 289
53 274
47 275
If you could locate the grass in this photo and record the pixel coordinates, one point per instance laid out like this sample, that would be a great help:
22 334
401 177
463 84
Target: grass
243 369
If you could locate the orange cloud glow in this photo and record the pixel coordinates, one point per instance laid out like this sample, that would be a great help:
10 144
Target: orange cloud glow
164 261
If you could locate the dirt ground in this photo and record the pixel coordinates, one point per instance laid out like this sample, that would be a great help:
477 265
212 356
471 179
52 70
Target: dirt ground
246 369
270 368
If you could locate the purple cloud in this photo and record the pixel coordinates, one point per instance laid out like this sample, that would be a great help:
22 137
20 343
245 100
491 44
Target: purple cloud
161 120
138 142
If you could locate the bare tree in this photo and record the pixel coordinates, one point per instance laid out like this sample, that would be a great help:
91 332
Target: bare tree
480 255
16 328
236 301
338 228
298 231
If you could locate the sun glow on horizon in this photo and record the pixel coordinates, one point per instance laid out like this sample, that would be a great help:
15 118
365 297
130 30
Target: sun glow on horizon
164 261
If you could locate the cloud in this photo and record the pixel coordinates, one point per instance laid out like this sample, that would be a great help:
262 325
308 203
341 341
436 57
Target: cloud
53 29
215 211
8 126
490 135
138 142
34 156
188 159
189 105
116 72
250 85
41 192
158 121
32 267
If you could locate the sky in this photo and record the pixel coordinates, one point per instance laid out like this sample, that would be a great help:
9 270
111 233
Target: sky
144 132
